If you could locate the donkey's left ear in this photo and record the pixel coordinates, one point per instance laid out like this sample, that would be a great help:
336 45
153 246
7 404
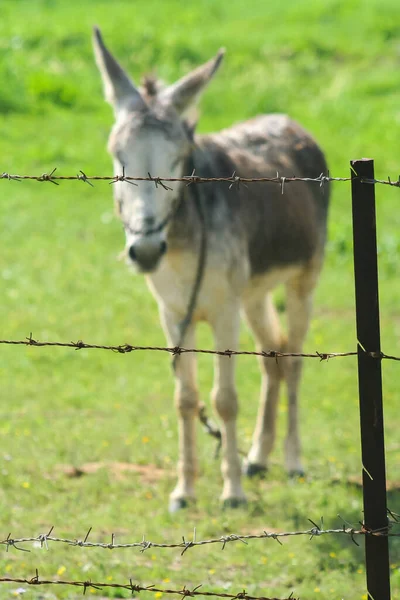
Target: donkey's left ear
184 93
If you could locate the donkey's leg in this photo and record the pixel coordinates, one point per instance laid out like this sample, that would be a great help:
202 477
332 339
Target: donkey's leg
299 305
186 402
224 397
263 319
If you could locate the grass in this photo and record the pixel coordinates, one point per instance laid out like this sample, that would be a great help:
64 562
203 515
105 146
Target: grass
333 66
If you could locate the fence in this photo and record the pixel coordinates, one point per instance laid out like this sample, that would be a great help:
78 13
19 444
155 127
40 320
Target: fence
193 178
177 350
135 588
376 528
144 545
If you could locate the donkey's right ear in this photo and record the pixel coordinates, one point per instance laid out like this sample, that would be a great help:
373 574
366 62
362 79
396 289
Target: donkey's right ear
119 90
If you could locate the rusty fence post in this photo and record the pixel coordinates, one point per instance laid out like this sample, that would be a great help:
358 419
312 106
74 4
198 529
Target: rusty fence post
370 378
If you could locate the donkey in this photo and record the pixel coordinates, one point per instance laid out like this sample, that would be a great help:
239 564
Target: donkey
256 238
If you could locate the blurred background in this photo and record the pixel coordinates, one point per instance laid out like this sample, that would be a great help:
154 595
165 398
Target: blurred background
334 67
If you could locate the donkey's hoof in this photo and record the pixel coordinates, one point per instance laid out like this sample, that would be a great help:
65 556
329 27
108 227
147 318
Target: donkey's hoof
176 504
253 470
296 474
234 503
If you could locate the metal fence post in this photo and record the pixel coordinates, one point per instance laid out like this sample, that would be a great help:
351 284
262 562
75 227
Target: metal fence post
370 378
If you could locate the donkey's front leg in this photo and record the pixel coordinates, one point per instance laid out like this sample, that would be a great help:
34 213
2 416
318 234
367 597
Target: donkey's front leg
186 402
224 396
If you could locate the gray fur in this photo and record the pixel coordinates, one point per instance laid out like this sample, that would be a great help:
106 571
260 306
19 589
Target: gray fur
278 229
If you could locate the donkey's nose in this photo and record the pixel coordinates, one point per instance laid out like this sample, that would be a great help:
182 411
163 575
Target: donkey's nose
146 255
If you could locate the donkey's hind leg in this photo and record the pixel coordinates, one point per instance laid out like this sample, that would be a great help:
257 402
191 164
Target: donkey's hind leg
263 319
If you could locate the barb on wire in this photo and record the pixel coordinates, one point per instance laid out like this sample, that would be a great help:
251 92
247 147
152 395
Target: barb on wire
184 592
10 542
177 350
48 177
395 516
84 178
316 531
233 180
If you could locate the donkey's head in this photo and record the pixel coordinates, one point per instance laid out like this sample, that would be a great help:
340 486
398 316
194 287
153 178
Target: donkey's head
150 136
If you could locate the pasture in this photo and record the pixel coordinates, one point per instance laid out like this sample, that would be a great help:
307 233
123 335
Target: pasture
88 438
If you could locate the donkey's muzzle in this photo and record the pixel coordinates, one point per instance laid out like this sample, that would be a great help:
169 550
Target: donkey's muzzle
146 255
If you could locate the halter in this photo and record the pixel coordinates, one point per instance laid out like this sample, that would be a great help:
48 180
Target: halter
157 228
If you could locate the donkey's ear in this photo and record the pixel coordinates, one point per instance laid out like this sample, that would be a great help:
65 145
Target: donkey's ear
184 93
119 90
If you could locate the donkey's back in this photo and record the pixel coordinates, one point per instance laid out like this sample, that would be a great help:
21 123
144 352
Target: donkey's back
284 224
277 138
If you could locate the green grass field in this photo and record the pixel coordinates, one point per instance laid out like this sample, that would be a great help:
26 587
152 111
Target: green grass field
332 65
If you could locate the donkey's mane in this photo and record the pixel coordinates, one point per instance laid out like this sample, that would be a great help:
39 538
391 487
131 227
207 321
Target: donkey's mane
151 86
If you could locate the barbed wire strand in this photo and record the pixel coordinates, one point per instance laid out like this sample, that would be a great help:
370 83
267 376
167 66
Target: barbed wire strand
317 530
134 587
190 179
177 350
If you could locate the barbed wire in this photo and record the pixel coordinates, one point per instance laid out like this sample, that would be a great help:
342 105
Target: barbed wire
315 531
177 350
184 592
189 179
